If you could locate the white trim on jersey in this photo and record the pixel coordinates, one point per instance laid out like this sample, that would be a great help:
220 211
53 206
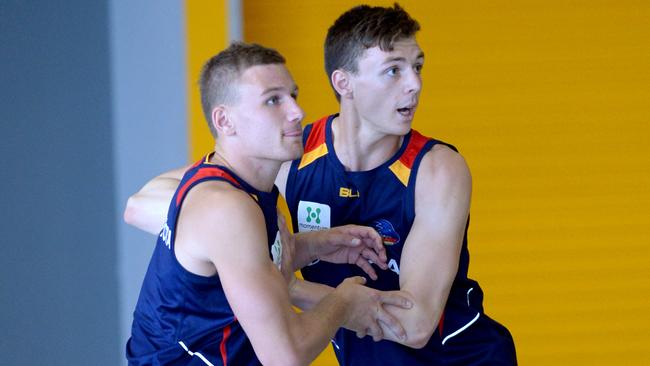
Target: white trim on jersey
195 354
461 329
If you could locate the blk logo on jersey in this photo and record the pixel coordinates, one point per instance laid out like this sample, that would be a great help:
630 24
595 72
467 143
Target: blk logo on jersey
348 193
313 216
388 233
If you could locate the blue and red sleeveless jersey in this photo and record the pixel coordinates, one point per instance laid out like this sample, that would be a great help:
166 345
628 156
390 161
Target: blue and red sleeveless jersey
321 194
182 318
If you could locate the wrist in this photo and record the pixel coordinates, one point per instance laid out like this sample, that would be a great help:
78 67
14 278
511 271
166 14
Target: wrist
309 240
294 287
343 297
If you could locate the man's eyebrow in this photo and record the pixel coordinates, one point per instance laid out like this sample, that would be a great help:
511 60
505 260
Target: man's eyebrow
279 88
401 59
272 89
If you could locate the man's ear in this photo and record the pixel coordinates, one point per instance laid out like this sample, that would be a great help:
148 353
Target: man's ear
222 121
342 83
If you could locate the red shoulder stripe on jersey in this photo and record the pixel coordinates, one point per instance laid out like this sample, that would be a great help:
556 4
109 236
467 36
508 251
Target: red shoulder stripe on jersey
416 143
316 135
222 346
402 167
441 323
315 147
204 173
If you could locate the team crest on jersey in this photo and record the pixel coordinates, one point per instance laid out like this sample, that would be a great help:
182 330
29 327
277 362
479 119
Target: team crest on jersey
313 216
387 232
276 250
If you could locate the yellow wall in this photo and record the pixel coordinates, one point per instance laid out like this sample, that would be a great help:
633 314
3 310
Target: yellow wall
548 102
207 34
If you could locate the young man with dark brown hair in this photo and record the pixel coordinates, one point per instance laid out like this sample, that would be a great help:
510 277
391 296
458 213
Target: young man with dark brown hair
214 292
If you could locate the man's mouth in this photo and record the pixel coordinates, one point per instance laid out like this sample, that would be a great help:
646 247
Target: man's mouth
407 111
293 133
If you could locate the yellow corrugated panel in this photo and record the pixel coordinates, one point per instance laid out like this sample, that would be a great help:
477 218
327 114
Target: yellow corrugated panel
207 28
548 102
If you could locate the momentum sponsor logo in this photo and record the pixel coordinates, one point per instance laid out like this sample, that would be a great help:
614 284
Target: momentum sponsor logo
313 216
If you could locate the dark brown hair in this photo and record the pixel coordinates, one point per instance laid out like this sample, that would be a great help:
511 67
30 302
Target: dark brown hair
364 27
220 72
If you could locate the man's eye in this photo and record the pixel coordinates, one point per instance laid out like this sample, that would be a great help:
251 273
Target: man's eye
393 71
273 100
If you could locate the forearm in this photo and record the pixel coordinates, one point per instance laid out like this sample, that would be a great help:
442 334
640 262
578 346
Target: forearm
306 295
147 209
317 326
419 322
306 334
305 254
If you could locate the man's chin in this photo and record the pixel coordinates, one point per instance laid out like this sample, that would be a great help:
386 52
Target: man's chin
296 154
402 129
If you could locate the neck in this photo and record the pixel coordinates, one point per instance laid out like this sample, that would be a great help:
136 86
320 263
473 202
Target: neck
259 173
358 145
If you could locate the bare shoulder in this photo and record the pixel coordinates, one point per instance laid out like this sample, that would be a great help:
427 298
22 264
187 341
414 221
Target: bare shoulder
218 205
214 214
442 164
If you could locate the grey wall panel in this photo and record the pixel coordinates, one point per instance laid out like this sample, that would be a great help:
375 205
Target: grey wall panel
150 119
92 104
58 283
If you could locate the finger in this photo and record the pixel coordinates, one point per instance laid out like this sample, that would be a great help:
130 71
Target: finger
375 332
282 226
343 238
361 334
356 279
371 239
364 232
395 298
361 232
391 324
367 267
377 245
371 256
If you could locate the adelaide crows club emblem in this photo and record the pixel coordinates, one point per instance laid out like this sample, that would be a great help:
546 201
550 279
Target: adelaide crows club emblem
387 231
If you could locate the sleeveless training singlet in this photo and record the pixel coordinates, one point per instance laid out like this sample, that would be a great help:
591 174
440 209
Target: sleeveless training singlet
182 318
321 194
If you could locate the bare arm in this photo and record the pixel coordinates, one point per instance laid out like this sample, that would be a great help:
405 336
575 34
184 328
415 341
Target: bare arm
147 208
254 286
335 244
352 244
431 252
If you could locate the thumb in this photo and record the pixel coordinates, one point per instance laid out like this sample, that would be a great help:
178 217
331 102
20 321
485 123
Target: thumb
359 280
396 298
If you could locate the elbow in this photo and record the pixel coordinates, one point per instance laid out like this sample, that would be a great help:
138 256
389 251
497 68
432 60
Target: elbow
276 361
136 216
282 358
418 341
130 212
419 336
